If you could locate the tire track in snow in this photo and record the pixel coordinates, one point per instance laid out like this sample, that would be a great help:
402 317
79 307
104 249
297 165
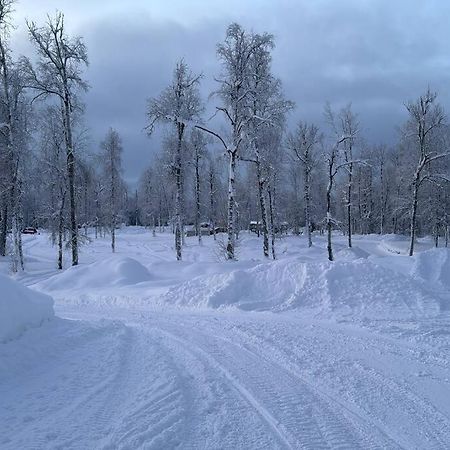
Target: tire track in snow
302 417
374 391
273 423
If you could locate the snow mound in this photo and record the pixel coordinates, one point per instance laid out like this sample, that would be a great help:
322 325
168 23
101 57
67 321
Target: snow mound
433 266
357 288
259 288
351 254
21 308
367 290
111 272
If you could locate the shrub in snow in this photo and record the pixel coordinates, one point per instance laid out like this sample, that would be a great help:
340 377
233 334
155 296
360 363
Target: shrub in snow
21 308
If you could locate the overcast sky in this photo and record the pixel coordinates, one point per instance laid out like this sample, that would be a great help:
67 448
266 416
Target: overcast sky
376 54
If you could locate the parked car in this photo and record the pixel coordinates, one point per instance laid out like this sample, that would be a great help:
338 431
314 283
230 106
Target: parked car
221 230
206 229
29 230
255 226
189 230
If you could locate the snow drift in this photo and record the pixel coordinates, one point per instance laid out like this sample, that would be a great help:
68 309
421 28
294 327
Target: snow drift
343 288
21 308
115 272
433 266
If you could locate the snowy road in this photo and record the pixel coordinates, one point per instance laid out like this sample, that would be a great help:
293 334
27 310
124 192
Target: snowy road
233 380
139 358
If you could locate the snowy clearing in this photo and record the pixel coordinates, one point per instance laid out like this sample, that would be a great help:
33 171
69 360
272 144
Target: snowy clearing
147 352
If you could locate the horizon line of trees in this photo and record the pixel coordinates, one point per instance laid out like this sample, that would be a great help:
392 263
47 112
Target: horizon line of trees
247 166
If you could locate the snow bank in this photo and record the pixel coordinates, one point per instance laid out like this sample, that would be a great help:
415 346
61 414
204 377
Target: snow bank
357 288
350 254
433 266
21 308
259 288
117 271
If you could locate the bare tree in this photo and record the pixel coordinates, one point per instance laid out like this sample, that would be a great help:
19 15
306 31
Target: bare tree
380 156
334 164
235 91
197 144
349 127
426 118
58 73
180 105
111 159
12 129
53 169
268 109
303 144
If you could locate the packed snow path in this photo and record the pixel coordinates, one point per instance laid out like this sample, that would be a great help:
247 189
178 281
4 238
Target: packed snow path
116 371
205 380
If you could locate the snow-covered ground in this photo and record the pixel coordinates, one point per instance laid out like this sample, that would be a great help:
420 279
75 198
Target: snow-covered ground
147 352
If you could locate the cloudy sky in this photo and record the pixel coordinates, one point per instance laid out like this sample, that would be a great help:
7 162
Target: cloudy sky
376 54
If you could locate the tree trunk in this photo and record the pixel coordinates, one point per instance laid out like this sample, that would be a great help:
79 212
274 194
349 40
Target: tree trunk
197 199
307 196
179 193
4 228
329 221
349 205
61 232
231 206
71 176
382 205
211 201
272 225
113 202
262 205
414 214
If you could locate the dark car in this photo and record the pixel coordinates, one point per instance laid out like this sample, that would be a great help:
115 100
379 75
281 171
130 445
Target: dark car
29 230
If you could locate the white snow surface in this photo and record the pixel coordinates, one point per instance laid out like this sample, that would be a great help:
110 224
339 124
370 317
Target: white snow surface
21 308
151 353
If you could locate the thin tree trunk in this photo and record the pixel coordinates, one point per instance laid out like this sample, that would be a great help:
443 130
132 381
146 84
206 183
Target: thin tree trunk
211 200
71 176
113 200
231 205
61 232
179 193
349 205
272 225
329 221
197 199
262 205
414 214
4 228
307 196
382 204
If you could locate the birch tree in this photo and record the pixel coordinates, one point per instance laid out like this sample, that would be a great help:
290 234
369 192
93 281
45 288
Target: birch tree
178 105
12 129
58 73
54 176
380 159
111 158
334 163
303 144
235 55
348 127
268 109
426 117
198 149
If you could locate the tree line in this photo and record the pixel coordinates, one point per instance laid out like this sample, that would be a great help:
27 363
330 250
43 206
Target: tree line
245 165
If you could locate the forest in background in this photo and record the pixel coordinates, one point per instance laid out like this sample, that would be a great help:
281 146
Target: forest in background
243 165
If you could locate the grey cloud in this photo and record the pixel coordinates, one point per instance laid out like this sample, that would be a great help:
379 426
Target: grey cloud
376 54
